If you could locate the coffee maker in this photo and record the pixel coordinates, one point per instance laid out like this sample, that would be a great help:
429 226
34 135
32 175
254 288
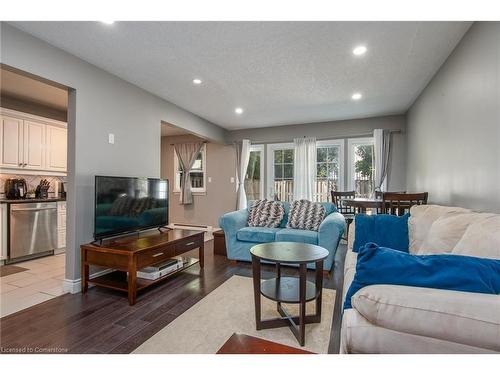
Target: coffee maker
15 188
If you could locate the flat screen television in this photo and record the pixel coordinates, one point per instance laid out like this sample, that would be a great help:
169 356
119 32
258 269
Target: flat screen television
129 204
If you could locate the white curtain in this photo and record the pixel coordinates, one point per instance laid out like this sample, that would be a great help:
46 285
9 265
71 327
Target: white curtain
242 157
304 170
382 153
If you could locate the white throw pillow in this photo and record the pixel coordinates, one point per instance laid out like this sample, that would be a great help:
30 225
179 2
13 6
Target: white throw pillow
481 239
421 219
446 232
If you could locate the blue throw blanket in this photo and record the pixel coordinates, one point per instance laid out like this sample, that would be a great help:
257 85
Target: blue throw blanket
379 265
385 230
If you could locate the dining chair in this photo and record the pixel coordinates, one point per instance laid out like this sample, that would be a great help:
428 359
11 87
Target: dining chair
400 203
379 194
338 199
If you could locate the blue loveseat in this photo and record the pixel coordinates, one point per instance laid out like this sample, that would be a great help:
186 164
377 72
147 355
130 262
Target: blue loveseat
240 237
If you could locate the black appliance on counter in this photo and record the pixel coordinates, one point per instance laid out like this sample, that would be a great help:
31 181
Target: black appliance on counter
62 189
42 190
15 188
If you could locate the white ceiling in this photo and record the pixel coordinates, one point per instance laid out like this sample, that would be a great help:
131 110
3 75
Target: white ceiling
25 88
279 72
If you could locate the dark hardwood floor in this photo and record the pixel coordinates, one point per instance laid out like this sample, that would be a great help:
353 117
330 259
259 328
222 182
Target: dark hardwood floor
102 321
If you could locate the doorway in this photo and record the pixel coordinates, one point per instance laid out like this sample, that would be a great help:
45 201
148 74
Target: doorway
33 189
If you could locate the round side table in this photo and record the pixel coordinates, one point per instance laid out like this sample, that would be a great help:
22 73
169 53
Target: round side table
294 290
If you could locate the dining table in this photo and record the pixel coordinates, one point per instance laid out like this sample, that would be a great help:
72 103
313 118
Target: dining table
362 204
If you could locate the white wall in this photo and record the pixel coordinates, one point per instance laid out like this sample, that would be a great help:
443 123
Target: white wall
454 126
99 104
220 195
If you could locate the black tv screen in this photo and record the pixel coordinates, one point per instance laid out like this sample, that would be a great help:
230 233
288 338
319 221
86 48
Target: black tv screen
128 204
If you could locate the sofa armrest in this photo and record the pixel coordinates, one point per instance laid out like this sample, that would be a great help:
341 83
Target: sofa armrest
332 227
330 232
233 221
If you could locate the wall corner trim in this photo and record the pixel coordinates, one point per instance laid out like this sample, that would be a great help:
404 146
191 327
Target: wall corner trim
75 286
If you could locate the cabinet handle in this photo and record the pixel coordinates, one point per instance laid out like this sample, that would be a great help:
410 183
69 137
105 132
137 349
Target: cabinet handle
20 164
190 243
157 255
25 164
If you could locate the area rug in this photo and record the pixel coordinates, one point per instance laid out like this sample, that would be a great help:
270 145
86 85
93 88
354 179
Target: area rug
229 309
10 270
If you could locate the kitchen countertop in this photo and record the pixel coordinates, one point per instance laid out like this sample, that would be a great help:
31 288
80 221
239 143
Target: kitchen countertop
31 200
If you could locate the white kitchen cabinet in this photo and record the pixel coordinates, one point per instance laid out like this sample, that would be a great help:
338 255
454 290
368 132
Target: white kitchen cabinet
61 224
11 135
34 145
31 143
3 231
56 148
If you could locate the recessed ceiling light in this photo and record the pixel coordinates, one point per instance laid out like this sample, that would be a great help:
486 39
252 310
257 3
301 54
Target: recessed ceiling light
356 96
108 22
359 50
238 111
197 81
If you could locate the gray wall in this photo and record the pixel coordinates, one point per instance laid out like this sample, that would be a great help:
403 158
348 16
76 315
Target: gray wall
99 104
220 195
454 126
336 130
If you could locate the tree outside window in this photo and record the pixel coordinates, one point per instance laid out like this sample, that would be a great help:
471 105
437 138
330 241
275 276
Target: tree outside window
364 170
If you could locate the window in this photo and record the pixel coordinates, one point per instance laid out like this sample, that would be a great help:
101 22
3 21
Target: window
280 171
254 177
361 166
329 168
197 173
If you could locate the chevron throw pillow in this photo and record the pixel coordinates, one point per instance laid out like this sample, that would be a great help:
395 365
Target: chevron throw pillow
265 213
306 215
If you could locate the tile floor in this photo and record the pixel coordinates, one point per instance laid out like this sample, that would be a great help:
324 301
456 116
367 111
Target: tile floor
42 281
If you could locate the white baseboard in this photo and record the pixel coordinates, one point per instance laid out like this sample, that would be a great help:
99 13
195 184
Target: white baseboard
75 286
205 228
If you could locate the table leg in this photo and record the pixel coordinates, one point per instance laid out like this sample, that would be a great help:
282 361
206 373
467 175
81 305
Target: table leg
256 290
302 299
278 280
319 286
132 281
202 254
85 272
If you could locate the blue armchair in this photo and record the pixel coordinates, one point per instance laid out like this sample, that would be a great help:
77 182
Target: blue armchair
240 238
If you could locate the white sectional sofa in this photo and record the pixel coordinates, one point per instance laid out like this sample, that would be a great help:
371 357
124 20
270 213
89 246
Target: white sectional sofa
403 319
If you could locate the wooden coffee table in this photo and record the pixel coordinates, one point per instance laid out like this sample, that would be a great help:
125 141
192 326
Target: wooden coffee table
293 290
240 343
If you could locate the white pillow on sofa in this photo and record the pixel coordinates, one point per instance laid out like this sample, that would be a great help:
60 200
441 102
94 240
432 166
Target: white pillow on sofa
447 231
421 219
481 239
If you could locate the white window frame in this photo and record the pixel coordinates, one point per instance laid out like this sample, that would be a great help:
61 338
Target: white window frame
351 143
261 149
270 164
203 190
336 143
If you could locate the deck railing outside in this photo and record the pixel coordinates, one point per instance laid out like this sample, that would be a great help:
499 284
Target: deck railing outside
283 189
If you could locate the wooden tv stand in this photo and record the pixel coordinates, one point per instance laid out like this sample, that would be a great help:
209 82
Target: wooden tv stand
130 254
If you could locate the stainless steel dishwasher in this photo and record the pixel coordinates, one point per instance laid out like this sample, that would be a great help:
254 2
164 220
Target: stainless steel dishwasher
33 230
